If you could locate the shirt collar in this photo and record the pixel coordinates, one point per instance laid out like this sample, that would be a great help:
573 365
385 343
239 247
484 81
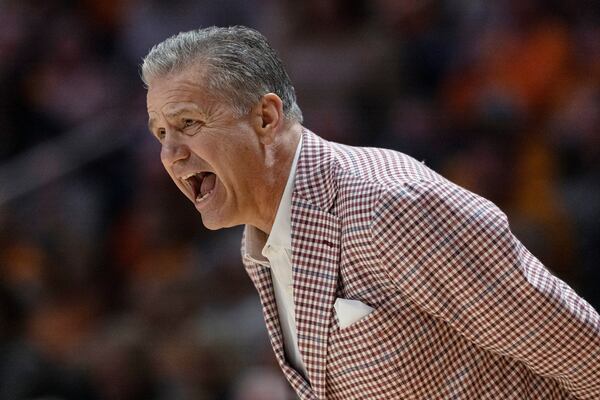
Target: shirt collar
281 231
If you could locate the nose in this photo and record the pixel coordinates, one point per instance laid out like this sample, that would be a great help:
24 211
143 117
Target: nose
173 149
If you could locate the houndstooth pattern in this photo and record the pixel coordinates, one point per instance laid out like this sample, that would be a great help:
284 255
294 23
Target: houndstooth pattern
462 309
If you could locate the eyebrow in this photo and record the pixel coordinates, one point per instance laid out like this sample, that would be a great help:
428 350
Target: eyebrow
174 114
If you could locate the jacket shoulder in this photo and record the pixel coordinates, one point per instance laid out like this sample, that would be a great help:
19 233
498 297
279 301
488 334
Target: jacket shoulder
380 167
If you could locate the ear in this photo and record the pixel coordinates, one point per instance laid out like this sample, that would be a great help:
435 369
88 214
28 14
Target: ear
269 117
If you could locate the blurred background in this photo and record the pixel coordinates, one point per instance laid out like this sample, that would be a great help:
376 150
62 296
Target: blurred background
110 287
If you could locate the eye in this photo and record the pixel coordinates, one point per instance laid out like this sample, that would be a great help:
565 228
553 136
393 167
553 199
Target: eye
190 126
189 122
160 134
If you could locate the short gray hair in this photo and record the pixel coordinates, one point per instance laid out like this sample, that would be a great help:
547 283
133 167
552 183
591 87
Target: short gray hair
240 66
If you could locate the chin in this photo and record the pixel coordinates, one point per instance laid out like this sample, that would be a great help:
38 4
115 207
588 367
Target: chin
211 225
213 222
219 217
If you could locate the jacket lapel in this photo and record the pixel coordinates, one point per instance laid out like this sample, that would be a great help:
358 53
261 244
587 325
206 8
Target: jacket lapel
315 265
261 277
315 255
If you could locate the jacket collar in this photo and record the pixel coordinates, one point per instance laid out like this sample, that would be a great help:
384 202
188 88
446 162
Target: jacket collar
315 175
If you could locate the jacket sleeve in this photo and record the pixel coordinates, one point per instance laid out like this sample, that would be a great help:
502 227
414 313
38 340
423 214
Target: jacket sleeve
452 253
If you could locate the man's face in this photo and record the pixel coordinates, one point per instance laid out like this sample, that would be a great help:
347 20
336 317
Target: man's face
213 156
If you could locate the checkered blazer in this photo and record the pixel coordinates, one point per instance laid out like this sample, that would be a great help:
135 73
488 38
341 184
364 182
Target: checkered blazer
462 309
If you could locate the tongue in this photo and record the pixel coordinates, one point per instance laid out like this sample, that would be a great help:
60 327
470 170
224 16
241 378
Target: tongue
208 183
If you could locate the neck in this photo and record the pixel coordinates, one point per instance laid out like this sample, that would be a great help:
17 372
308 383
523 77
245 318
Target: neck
279 157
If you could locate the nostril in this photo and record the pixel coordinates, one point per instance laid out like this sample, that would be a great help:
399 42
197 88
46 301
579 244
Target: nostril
182 152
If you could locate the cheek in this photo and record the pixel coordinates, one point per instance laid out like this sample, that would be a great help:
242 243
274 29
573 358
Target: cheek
240 178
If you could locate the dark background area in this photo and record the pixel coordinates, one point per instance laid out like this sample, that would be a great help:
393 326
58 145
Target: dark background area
110 287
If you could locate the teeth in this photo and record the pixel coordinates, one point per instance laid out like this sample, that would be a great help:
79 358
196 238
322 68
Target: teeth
192 186
200 198
190 175
187 182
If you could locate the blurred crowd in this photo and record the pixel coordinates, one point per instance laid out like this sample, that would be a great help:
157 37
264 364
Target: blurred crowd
110 287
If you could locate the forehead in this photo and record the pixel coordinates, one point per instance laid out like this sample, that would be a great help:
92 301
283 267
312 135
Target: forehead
172 90
181 93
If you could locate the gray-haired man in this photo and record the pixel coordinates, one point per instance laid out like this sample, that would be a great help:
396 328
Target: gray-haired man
378 278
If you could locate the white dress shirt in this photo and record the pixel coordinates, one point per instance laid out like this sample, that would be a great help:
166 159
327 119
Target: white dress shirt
278 251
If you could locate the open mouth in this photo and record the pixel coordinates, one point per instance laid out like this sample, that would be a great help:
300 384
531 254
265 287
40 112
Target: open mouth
201 184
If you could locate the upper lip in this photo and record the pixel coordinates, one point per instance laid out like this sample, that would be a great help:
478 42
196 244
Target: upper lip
192 187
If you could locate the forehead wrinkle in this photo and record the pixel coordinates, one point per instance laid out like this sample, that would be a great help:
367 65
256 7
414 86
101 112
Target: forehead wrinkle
181 96
177 109
172 94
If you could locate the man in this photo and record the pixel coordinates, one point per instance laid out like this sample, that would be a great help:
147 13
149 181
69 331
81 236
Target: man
378 278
